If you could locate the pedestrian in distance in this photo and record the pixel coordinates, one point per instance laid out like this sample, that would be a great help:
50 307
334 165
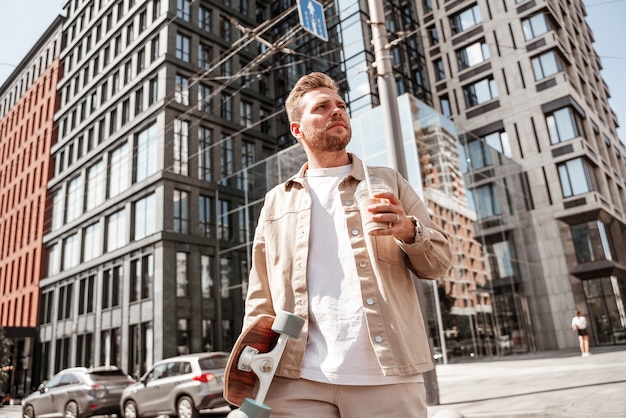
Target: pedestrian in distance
579 325
363 348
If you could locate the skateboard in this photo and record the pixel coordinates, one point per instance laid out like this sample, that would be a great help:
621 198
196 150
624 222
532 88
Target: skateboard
253 361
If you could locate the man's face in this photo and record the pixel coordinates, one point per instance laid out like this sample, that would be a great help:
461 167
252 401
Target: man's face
324 126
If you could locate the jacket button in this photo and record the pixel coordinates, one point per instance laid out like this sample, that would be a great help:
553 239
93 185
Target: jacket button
370 301
362 264
379 339
348 203
355 232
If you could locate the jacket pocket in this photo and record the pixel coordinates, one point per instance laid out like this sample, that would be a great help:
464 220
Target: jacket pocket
388 251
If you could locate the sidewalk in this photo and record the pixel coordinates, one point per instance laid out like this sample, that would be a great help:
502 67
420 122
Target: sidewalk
551 384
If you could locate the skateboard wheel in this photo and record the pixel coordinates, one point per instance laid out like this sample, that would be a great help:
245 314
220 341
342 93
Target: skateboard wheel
288 324
253 409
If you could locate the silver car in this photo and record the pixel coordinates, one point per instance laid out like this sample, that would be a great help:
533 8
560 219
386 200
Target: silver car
78 392
182 386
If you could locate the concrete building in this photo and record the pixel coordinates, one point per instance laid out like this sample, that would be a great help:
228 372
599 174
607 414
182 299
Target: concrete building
28 101
522 81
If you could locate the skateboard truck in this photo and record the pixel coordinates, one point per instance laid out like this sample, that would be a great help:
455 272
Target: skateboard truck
263 365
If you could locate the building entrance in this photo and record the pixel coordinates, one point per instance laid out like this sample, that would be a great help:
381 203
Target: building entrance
607 314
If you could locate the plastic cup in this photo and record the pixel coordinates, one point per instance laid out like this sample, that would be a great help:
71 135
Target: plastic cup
364 198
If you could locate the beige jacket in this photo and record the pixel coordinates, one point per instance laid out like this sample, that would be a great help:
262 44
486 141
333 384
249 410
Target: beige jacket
280 256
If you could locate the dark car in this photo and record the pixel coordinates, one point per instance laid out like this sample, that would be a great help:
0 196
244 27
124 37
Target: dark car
78 392
181 386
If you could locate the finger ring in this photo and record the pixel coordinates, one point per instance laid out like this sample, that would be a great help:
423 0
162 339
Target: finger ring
397 219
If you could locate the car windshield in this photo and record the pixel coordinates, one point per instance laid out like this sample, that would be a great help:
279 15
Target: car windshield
102 375
212 363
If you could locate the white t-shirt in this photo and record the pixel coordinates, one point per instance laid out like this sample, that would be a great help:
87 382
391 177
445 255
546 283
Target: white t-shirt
580 322
339 349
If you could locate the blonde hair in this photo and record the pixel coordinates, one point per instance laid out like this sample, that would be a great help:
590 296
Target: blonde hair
304 85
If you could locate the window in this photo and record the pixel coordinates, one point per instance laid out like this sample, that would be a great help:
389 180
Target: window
74 204
71 251
486 201
116 230
499 141
473 54
181 90
181 211
139 100
592 242
465 19
223 222
205 213
535 26
96 185
546 65
146 153
480 92
479 155
54 259
440 71
562 125
141 278
181 146
118 171
204 18
110 351
154 48
225 28
64 305
205 153
247 154
183 47
204 56
433 36
206 276
444 102
111 286
183 337
92 242
204 98
85 295
182 9
245 113
153 91
182 282
228 164
144 217
226 107
576 177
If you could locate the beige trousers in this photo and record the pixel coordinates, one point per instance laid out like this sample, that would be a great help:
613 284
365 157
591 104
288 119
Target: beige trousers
304 398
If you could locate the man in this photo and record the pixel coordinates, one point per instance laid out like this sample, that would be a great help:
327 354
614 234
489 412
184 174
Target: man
579 325
363 347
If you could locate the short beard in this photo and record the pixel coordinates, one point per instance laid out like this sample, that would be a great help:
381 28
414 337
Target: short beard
323 141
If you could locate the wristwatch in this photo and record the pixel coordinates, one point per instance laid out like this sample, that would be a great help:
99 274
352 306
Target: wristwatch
418 231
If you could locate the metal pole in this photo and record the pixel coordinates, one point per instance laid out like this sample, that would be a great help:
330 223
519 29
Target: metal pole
388 101
387 87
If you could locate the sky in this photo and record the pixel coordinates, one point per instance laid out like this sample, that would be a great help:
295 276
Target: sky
22 22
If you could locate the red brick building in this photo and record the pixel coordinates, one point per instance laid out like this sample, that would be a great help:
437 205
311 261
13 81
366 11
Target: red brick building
28 102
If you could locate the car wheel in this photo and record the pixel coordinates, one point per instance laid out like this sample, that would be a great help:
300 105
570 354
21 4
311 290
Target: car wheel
185 408
29 412
71 410
130 410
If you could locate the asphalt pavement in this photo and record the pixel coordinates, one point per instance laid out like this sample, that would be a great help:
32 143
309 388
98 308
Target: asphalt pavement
554 384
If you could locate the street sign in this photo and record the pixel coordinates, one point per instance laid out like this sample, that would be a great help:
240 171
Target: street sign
312 18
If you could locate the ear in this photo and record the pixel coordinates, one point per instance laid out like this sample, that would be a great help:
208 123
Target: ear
294 127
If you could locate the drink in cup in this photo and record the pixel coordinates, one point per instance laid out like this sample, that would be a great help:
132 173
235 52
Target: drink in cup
364 198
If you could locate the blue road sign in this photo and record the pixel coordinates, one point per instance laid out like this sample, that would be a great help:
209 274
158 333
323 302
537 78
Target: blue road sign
312 18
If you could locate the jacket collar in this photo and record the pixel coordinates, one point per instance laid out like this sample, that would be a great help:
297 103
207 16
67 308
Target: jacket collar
357 172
